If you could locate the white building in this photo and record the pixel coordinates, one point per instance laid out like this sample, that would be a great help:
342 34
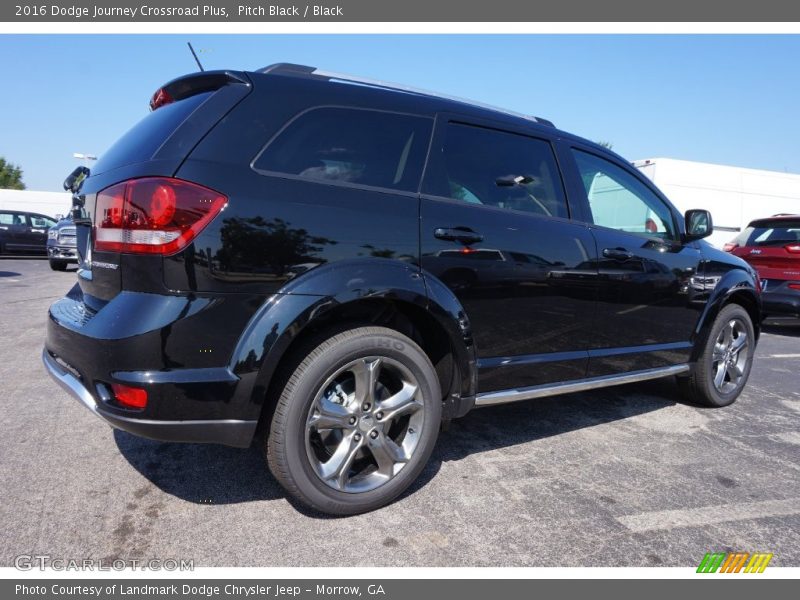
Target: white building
50 204
734 195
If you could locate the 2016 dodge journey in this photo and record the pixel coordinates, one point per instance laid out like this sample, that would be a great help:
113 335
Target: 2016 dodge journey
335 267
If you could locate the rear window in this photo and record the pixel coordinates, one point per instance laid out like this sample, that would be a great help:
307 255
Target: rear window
350 146
141 142
769 233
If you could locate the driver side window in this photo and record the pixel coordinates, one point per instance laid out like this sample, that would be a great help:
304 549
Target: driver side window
620 201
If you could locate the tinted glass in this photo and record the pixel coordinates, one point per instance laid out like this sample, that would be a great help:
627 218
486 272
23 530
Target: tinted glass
766 233
618 200
344 145
504 170
9 219
147 136
40 221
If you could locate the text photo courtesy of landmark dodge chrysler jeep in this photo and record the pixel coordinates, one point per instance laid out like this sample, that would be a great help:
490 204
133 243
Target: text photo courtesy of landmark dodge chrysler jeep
332 267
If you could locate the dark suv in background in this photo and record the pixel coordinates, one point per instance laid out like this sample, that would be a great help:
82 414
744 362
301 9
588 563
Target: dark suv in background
23 232
336 266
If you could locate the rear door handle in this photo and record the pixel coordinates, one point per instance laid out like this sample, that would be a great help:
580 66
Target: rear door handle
465 235
617 254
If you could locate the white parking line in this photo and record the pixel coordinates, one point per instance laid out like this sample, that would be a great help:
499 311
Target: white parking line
783 356
707 515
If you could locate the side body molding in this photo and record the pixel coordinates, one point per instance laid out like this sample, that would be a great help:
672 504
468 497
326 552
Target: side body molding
312 295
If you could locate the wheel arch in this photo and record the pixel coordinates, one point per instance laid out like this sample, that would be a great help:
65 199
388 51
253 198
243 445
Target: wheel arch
372 291
735 287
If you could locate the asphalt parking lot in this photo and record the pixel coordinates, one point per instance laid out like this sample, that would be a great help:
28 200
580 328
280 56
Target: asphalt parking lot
628 476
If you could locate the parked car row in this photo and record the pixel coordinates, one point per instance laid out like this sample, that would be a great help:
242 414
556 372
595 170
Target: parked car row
36 234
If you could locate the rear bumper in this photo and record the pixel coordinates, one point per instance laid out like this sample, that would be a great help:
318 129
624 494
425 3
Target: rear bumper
176 348
230 432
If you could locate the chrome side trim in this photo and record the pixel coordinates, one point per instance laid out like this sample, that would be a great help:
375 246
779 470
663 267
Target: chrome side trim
579 385
69 383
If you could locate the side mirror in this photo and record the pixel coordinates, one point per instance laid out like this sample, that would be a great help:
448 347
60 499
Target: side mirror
698 224
73 181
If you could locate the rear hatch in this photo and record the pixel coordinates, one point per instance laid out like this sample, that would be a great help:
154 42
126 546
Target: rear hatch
130 211
772 247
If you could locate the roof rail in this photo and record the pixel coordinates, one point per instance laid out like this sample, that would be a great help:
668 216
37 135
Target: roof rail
294 69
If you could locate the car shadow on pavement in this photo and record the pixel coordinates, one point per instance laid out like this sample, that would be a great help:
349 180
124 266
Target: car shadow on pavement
212 474
10 274
784 327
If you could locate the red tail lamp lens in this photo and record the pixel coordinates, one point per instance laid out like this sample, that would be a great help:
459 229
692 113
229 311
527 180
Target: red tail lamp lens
729 247
794 286
160 98
153 215
793 248
129 397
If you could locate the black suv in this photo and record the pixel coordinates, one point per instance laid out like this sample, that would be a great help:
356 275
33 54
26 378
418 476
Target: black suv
336 267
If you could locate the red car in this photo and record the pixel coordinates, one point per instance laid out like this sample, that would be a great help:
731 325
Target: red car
772 247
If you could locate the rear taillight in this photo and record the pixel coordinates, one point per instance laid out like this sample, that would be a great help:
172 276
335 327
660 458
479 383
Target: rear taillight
160 98
153 215
793 248
129 397
730 247
795 286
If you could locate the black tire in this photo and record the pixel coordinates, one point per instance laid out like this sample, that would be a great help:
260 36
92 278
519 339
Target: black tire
294 447
699 386
58 265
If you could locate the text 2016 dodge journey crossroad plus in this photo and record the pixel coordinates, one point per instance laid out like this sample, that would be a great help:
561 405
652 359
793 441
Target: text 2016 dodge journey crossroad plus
335 267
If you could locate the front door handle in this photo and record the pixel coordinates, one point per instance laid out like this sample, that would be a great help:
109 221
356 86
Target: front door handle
465 235
617 254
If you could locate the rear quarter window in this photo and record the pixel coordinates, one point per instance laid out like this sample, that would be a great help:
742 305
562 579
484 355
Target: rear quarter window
142 141
350 146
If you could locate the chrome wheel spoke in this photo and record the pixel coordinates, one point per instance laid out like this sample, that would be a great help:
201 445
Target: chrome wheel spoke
719 376
734 373
387 454
402 403
727 334
330 415
718 354
338 465
366 374
739 342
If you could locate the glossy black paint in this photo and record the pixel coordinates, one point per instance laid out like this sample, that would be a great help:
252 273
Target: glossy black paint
500 298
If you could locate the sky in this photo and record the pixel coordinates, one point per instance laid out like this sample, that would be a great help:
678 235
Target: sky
728 99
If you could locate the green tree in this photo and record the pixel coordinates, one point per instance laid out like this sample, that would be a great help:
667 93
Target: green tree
10 176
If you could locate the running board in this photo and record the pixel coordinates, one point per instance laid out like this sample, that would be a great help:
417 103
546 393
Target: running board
580 385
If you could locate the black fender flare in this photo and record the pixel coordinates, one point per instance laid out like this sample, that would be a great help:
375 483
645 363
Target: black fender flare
286 314
733 282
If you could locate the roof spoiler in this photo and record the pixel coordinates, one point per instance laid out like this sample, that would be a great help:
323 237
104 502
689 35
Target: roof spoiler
196 83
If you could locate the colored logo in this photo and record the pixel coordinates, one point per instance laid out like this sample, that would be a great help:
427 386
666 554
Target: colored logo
734 562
